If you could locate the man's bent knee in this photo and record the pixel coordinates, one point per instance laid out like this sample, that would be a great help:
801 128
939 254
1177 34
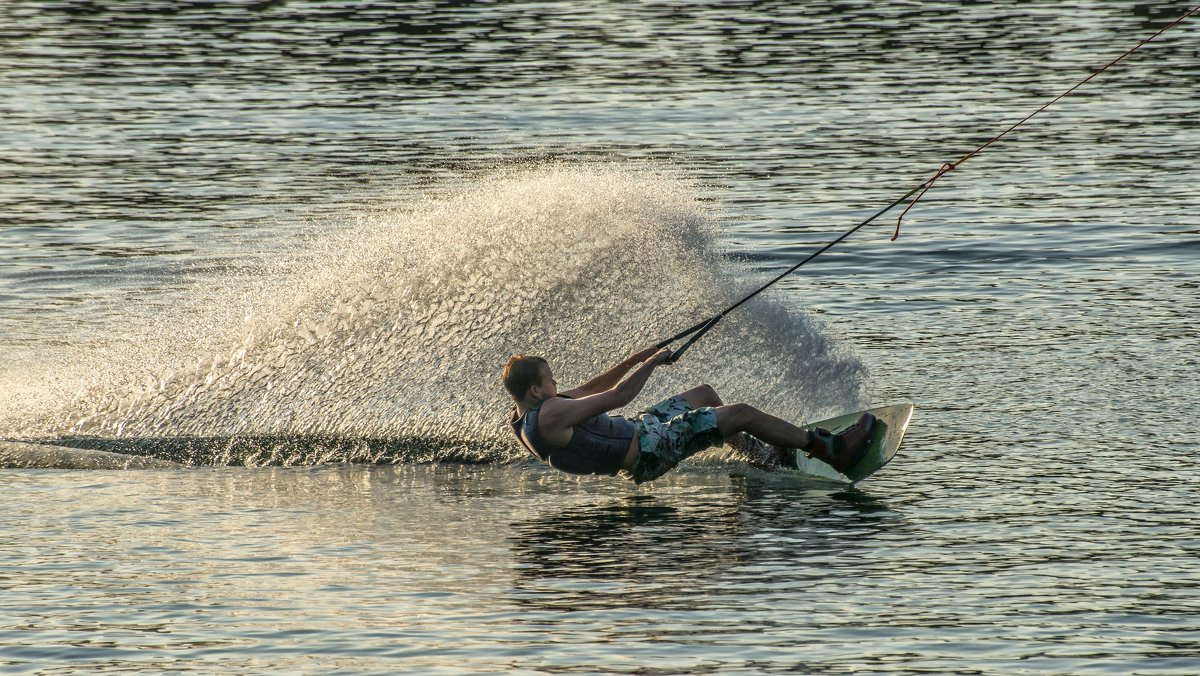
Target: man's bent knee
703 395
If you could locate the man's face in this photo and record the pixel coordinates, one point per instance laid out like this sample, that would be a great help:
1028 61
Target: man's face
547 386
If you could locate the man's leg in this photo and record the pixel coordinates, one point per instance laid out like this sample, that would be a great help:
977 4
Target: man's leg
841 450
752 450
745 418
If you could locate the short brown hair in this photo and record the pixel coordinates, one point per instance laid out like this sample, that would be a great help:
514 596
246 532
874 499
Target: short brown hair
522 372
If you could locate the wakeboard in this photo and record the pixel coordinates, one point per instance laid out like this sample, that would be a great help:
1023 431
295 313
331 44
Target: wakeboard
890 424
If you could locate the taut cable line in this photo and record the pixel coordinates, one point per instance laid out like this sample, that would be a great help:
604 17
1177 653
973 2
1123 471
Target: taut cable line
705 326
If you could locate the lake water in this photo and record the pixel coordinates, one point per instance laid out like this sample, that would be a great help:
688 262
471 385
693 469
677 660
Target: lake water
272 256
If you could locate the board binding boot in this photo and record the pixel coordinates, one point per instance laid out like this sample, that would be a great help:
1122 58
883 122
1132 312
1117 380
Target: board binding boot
844 450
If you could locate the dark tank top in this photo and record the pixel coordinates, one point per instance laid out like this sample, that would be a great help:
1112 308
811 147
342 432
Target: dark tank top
598 445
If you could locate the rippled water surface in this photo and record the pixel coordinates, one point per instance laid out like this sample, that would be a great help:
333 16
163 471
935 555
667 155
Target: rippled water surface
263 239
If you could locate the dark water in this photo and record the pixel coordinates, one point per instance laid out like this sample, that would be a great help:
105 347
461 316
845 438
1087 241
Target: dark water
257 233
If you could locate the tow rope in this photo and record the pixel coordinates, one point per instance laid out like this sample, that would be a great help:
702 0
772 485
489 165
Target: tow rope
705 326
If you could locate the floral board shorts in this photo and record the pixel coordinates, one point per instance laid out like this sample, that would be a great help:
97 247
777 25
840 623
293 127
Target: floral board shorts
670 432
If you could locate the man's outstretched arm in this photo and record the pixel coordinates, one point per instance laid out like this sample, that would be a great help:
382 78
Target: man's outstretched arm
560 414
610 378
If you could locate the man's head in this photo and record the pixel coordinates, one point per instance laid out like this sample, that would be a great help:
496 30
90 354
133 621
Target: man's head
524 372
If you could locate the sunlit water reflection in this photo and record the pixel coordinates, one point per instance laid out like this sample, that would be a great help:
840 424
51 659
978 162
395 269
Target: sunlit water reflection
302 233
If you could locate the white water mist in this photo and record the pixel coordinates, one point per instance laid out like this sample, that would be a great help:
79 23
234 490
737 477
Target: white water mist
395 326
